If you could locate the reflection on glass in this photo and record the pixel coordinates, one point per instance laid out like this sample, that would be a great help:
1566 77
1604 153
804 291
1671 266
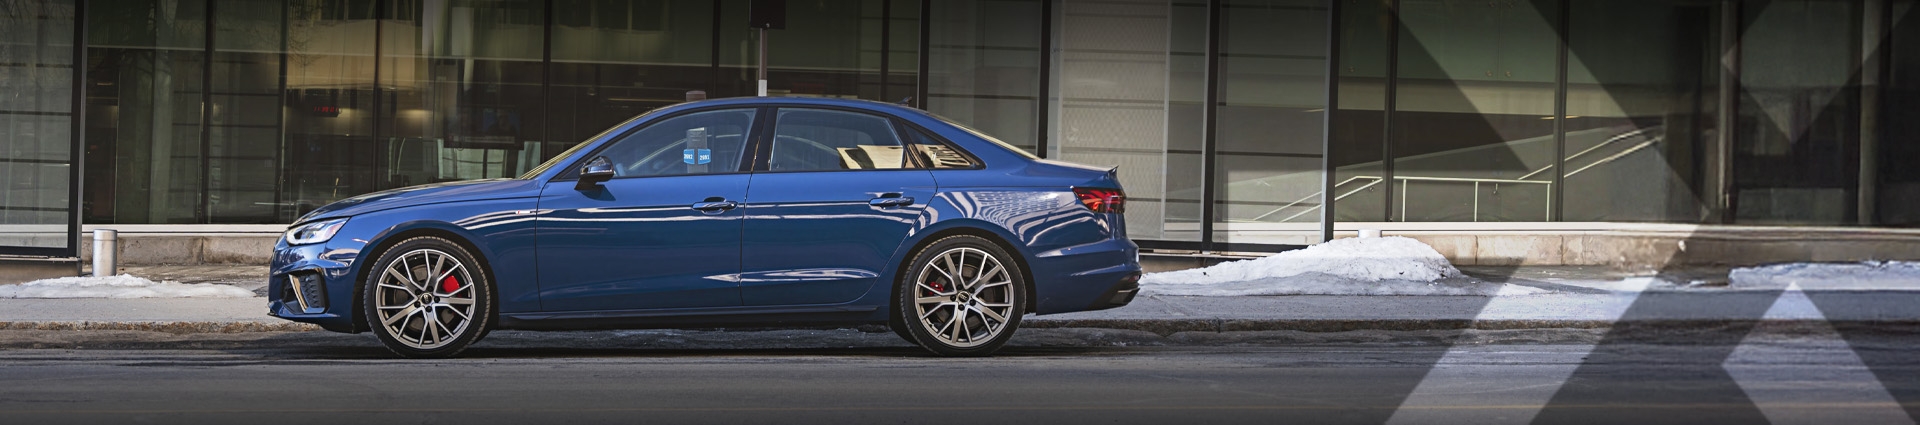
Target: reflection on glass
1133 73
243 162
984 67
461 90
1269 120
1473 122
607 68
329 150
36 118
1358 145
1641 93
1898 187
828 49
144 94
1799 110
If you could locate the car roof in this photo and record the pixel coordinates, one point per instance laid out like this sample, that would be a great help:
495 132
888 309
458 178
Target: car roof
894 108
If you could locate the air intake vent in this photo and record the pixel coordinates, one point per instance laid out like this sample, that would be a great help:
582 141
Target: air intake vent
310 290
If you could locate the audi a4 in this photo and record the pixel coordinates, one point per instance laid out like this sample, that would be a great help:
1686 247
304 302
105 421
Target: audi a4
727 213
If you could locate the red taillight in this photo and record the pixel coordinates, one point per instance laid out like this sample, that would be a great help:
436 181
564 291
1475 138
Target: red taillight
1102 200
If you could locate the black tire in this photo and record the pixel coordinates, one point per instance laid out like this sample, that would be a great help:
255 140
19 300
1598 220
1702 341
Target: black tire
957 319
458 295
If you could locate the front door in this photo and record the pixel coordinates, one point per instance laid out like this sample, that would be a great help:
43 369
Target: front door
835 202
663 233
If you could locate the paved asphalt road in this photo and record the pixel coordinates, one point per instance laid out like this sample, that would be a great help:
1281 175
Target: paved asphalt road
871 378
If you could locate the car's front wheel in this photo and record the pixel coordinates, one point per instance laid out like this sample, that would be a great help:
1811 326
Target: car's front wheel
962 296
427 298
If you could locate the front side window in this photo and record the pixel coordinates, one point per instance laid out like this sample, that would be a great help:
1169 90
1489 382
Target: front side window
824 140
696 143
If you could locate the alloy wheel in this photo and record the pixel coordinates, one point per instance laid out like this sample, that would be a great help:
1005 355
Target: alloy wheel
425 299
964 297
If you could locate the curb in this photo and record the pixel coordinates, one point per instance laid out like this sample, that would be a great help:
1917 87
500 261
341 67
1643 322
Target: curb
1162 327
1170 327
162 326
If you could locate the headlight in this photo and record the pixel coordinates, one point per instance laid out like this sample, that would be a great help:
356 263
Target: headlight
315 232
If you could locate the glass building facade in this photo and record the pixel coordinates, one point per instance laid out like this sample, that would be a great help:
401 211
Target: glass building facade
1228 119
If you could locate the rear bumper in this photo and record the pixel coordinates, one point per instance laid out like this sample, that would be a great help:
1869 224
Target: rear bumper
1095 276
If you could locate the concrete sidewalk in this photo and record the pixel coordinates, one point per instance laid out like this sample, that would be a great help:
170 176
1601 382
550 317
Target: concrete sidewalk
1164 315
1587 299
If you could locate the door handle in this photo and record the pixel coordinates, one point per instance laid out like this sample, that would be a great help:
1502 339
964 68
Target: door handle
891 201
715 206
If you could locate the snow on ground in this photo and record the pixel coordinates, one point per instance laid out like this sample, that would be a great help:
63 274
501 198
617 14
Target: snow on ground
1866 275
122 286
1352 266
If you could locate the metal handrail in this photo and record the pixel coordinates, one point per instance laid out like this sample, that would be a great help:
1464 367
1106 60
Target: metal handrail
1609 141
1404 191
1315 194
1376 180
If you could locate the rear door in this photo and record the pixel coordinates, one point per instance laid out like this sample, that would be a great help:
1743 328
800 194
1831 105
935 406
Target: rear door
835 199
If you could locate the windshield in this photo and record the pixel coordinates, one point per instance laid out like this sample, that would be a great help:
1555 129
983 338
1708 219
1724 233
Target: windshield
555 160
1022 152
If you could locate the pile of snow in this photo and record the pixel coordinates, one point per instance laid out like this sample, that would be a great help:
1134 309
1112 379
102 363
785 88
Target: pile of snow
1352 266
122 286
1867 275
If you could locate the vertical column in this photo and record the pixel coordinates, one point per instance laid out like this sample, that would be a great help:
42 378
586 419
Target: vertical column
1719 196
1392 100
1209 151
1874 25
1326 133
1555 207
1044 106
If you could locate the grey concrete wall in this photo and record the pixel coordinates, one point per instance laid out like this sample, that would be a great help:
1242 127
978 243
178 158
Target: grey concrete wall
1646 251
22 270
138 249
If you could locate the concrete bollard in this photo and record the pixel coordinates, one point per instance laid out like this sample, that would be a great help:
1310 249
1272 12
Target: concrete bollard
1369 233
105 247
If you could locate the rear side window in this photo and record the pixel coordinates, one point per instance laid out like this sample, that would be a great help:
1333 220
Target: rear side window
827 140
938 155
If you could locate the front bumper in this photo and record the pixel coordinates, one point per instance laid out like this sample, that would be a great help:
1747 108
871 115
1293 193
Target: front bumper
313 284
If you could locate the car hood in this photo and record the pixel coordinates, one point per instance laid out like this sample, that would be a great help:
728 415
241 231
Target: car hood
465 190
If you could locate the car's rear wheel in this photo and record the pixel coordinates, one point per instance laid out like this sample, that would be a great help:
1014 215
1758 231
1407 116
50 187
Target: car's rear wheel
427 298
963 296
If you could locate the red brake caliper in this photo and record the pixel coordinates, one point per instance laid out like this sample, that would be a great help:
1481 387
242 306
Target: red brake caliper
449 284
937 287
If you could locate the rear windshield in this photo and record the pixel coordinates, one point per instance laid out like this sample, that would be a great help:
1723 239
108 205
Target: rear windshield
1022 152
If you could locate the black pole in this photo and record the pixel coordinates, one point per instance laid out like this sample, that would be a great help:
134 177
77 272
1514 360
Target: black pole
1392 102
886 46
926 32
762 84
280 154
546 76
713 77
1326 121
379 169
206 121
1724 201
1555 197
78 152
1043 106
1208 151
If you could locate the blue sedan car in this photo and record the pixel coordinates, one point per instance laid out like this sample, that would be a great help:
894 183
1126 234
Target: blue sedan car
746 212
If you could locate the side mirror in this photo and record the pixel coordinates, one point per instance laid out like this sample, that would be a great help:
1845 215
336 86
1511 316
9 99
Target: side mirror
597 170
